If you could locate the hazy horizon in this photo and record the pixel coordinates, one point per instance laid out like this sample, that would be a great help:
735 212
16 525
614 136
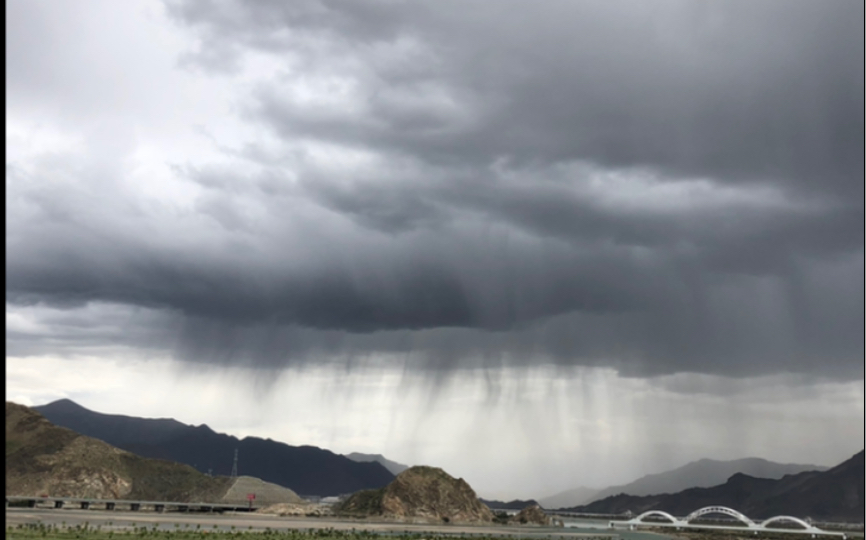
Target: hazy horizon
536 496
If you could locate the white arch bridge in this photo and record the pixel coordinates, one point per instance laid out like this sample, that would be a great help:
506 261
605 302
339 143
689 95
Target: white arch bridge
664 519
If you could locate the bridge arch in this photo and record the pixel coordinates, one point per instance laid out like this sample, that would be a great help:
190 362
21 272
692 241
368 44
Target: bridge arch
720 510
788 519
655 513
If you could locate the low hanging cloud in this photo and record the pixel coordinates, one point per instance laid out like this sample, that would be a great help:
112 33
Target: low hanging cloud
664 188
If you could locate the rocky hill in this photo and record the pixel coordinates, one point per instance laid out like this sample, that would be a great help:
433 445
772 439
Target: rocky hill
420 494
834 495
532 515
42 458
307 470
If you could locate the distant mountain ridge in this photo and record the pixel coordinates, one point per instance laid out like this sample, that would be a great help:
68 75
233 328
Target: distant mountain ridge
831 495
509 505
701 473
569 498
307 470
392 466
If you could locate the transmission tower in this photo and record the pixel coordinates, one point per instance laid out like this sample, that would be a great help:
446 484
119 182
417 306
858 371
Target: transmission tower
235 465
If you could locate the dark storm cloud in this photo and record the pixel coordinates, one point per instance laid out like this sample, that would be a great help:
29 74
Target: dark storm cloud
769 91
659 187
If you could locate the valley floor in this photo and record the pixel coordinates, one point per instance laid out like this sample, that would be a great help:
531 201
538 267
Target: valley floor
73 524
97 524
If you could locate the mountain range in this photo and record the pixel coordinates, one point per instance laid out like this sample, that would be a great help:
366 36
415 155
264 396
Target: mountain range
831 495
701 473
307 470
755 486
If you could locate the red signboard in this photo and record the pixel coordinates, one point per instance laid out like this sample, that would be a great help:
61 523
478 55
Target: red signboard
251 496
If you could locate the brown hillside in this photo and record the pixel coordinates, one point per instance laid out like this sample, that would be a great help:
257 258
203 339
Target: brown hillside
420 494
266 493
42 458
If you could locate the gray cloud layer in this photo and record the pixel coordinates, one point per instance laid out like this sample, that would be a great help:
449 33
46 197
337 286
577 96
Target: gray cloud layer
661 187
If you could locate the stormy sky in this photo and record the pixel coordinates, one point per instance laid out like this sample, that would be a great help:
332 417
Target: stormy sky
548 238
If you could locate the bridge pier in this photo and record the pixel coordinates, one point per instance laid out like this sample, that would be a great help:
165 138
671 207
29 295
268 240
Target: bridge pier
85 505
58 504
134 507
159 508
110 506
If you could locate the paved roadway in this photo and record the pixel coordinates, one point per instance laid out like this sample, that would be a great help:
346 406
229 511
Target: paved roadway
242 521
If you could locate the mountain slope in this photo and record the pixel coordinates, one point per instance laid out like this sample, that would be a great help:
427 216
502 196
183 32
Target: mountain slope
392 466
42 458
305 469
702 473
834 495
571 497
266 493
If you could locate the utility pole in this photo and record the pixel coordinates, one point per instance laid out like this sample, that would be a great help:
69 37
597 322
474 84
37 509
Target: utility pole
235 465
